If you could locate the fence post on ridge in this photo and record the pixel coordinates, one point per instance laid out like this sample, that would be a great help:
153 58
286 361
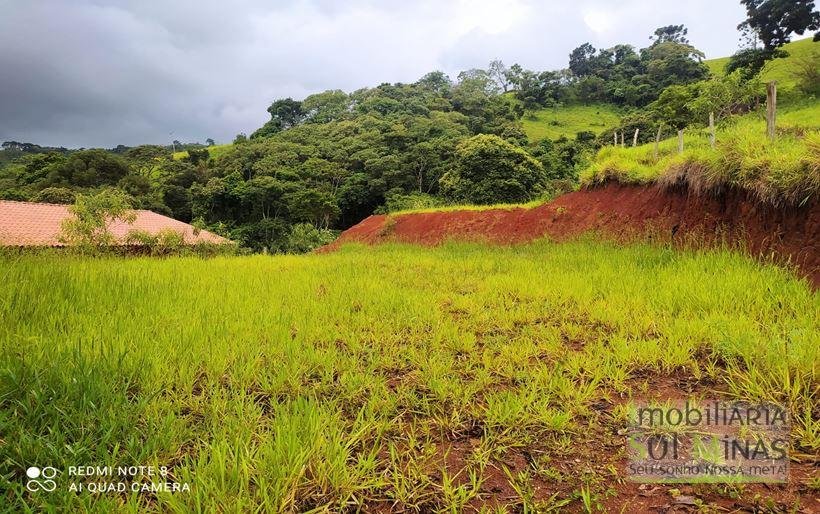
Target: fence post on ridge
658 140
712 129
771 108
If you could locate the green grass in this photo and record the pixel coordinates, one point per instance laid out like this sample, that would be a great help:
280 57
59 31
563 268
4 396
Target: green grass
340 381
214 152
777 69
786 171
554 122
471 207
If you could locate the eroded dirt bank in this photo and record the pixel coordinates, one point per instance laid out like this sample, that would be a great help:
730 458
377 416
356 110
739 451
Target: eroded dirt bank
787 234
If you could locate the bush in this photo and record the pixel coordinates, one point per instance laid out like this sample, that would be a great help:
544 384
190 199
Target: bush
395 202
491 170
304 238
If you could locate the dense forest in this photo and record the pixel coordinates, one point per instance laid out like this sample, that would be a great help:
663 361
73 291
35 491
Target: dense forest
324 163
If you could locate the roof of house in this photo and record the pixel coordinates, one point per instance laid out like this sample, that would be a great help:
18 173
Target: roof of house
39 224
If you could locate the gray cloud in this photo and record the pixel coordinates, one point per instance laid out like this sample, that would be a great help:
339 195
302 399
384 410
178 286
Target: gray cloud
94 73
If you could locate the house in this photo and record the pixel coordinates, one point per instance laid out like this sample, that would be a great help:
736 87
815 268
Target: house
40 224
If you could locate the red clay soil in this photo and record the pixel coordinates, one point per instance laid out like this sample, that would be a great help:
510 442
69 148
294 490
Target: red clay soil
789 234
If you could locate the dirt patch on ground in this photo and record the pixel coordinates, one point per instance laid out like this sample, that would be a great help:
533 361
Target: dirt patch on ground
786 234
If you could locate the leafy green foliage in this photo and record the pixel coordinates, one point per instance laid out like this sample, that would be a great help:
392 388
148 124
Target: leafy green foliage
489 169
334 158
625 77
774 21
88 228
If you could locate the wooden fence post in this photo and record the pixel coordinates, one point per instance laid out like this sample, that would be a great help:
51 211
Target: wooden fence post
771 108
712 129
635 138
680 141
657 141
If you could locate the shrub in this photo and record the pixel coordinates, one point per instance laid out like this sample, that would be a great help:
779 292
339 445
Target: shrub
491 170
88 228
305 237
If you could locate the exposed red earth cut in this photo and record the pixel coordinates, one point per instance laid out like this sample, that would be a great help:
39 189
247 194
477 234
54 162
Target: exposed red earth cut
625 212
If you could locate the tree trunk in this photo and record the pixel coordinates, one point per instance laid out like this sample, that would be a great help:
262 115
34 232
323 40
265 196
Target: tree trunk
635 138
680 141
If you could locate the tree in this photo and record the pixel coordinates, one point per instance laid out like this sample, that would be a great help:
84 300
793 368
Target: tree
197 156
55 195
673 106
284 114
670 33
724 96
436 81
773 21
750 61
92 216
491 170
325 107
210 142
88 168
580 60
498 72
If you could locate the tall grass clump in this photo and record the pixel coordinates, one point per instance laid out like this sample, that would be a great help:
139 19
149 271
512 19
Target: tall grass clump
785 171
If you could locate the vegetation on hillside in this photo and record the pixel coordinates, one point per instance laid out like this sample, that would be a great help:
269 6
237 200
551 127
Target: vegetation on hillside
333 158
345 380
785 171
569 120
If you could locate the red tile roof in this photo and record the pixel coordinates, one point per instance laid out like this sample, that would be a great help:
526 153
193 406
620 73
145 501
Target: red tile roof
39 224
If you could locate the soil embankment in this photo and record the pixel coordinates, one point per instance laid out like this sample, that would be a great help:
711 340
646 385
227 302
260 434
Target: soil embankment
787 234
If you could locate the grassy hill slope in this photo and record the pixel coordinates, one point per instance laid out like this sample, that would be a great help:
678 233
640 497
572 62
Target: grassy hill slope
777 69
554 122
213 151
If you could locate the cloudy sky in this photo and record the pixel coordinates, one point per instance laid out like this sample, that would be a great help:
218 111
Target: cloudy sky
101 73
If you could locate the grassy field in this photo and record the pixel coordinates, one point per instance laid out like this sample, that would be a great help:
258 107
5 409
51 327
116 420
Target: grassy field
777 69
396 376
552 123
213 151
784 171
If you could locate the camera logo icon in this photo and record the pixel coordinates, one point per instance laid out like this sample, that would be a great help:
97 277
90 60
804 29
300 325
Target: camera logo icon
41 479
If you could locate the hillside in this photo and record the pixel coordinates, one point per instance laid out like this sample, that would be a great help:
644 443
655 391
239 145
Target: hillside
777 69
554 122
214 152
